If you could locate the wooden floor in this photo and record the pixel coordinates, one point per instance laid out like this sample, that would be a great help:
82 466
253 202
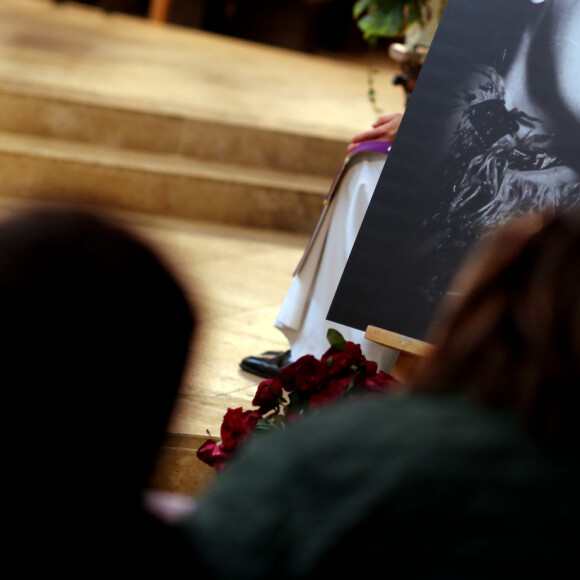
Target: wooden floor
237 275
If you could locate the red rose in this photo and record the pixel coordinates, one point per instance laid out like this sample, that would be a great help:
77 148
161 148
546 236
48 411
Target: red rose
339 361
269 395
212 454
371 367
380 382
307 374
336 388
237 426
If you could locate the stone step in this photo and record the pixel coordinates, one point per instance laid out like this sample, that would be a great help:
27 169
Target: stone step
29 110
35 167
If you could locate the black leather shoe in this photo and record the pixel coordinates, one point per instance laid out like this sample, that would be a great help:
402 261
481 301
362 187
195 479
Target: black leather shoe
267 365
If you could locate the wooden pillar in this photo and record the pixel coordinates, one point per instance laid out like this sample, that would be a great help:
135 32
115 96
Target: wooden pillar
159 10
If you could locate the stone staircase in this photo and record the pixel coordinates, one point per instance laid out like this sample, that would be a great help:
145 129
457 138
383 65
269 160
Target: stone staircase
160 183
161 163
117 111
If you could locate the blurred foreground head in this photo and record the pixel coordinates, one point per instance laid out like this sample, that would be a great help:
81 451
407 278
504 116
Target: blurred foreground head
94 335
511 337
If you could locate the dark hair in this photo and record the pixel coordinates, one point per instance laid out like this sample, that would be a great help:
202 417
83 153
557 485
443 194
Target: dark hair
94 335
512 340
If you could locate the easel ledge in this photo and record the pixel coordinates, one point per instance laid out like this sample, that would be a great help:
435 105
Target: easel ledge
410 350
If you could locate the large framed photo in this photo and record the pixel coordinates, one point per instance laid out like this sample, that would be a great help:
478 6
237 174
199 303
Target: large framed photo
491 131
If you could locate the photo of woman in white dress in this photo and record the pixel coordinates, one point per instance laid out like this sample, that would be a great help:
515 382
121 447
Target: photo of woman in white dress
492 131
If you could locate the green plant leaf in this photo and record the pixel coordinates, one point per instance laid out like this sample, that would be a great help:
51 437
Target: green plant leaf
387 18
268 425
336 339
377 25
360 6
350 385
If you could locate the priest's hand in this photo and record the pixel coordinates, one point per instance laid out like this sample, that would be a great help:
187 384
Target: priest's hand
384 129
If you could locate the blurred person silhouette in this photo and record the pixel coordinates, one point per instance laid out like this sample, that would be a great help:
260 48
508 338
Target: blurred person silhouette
94 339
470 470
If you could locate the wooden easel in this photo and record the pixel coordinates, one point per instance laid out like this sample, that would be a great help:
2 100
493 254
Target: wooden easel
410 350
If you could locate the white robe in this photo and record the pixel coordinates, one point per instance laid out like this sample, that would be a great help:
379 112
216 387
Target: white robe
302 317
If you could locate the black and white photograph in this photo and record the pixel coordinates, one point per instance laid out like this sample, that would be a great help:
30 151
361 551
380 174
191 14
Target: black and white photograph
491 131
